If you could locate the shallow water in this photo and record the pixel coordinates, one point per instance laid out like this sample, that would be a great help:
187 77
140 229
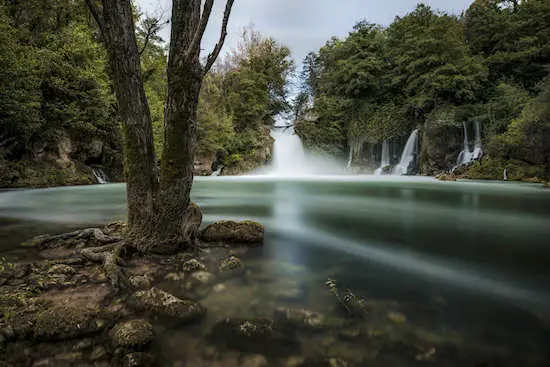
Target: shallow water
467 263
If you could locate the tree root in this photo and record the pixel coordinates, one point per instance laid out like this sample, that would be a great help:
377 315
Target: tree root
109 256
84 234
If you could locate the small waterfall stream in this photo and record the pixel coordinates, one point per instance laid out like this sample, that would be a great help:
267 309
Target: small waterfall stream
100 175
407 156
467 156
288 153
385 162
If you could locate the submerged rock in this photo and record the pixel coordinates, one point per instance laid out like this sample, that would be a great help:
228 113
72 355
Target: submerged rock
193 265
133 334
138 360
141 281
304 319
355 306
203 277
254 336
396 317
247 232
68 322
161 303
230 266
256 360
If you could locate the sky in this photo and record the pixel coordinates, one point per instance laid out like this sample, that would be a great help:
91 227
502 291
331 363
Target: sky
301 25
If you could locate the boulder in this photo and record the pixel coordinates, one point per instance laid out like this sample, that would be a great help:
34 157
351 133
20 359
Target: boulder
161 303
230 232
133 334
67 322
193 265
254 336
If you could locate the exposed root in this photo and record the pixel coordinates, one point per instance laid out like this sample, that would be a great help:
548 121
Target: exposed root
109 255
84 234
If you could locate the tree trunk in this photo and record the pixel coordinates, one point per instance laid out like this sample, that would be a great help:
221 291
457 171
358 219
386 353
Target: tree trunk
119 34
180 121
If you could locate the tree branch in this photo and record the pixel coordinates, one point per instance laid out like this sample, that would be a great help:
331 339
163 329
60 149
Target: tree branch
94 9
151 29
197 38
214 54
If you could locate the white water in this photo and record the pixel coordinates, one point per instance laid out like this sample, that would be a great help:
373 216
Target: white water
466 156
407 156
290 159
100 175
385 158
217 172
350 158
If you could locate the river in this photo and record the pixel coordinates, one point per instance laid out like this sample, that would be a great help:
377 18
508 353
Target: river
467 259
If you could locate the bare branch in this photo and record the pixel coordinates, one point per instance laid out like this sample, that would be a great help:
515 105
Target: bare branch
214 54
197 38
96 12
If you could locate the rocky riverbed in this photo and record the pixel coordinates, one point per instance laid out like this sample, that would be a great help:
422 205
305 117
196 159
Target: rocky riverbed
213 306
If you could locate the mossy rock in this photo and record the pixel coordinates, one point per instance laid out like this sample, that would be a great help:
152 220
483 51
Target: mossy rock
133 334
66 322
230 232
193 265
161 303
446 177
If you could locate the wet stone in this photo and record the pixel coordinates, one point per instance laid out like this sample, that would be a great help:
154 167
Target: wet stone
84 344
97 353
133 334
226 231
61 269
161 303
141 281
396 317
203 277
193 265
256 360
138 360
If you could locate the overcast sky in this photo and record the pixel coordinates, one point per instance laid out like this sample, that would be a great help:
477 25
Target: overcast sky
302 25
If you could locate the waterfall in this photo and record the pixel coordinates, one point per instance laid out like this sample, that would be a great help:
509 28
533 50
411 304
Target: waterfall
407 156
385 158
288 156
466 156
350 158
100 175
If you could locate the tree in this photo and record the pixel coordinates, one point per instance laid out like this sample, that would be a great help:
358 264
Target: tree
159 214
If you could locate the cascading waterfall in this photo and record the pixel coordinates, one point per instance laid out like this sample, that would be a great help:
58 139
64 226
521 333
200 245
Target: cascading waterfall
385 158
350 158
288 156
407 156
217 172
100 175
466 156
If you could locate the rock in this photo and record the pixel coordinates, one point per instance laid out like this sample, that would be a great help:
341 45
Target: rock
355 306
84 344
256 360
446 177
396 317
219 288
247 232
299 318
141 281
61 269
230 266
254 336
295 361
67 322
161 303
98 353
350 334
138 360
133 334
203 277
185 256
193 265
175 277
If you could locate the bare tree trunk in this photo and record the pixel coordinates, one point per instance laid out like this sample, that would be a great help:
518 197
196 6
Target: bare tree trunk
117 25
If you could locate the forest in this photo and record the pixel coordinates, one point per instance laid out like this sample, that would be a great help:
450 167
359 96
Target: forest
58 111
436 71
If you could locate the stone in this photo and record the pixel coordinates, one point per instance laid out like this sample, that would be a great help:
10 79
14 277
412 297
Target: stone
446 177
161 303
219 288
141 281
230 266
133 334
307 320
203 277
61 269
230 232
175 277
138 360
350 334
98 353
396 317
256 360
84 344
193 265
295 361
67 322
254 336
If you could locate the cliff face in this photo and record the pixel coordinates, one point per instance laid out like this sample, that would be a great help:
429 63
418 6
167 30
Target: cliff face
63 161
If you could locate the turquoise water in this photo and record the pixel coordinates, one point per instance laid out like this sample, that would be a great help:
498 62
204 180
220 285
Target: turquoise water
480 249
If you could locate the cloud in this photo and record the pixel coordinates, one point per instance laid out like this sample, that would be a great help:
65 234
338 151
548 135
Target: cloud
303 25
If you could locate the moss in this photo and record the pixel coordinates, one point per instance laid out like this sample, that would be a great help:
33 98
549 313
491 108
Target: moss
493 169
133 334
66 322
161 303
247 232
